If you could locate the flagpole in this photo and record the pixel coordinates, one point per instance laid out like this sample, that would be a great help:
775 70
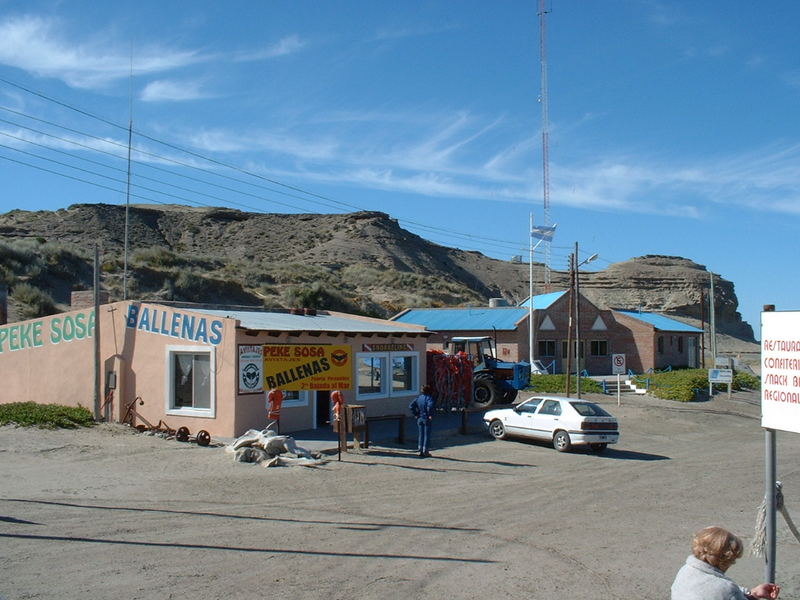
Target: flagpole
530 296
541 233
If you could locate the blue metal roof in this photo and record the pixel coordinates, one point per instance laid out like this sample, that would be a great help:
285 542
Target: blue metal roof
543 301
464 319
660 322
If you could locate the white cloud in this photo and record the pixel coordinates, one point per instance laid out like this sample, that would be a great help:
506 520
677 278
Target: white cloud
292 147
37 45
407 32
287 45
170 90
660 13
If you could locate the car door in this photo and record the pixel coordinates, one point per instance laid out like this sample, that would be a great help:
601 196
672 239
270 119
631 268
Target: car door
546 420
522 419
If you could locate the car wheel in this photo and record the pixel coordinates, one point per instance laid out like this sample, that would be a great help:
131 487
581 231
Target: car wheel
598 447
497 429
561 441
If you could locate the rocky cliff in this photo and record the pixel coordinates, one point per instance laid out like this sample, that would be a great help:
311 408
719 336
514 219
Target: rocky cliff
361 262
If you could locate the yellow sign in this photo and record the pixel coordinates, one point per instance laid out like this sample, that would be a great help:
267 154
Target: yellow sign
298 367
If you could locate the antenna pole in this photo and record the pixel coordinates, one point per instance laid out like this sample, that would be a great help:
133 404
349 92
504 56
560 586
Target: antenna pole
544 100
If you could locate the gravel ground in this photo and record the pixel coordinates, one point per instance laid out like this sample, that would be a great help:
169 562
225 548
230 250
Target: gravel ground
106 512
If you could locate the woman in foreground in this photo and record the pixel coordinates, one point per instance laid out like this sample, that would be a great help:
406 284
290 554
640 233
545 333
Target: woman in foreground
702 577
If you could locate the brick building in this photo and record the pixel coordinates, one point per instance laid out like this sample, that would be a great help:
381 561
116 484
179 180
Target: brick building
648 340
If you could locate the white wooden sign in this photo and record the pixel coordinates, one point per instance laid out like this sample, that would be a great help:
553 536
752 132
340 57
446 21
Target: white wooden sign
780 370
720 375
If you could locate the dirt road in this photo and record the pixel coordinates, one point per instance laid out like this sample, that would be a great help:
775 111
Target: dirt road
107 513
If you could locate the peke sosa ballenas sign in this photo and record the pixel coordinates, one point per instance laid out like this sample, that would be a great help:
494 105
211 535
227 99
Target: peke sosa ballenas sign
173 323
35 334
780 371
297 367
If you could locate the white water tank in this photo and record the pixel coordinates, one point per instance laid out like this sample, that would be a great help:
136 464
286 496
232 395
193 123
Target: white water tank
495 302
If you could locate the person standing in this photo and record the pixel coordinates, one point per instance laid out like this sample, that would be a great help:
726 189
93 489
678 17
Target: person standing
702 577
422 408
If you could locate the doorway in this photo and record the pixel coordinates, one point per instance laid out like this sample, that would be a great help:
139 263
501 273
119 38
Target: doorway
691 350
322 409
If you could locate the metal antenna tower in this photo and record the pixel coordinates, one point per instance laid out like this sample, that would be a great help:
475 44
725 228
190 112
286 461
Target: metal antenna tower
544 101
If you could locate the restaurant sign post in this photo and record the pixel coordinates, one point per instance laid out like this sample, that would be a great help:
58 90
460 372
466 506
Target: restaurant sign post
780 403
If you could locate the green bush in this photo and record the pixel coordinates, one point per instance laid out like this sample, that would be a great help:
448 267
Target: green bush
296 273
157 257
48 416
317 295
32 302
62 262
189 286
682 385
557 384
745 381
111 266
16 256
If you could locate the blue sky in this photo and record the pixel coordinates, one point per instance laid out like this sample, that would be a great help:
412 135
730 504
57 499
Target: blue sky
674 125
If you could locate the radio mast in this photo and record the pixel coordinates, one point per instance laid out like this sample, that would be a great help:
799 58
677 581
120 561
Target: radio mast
543 100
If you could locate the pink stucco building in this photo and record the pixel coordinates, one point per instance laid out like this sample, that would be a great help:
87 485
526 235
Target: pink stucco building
208 368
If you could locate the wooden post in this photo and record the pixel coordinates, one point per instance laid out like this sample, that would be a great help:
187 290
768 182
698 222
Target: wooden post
97 366
569 328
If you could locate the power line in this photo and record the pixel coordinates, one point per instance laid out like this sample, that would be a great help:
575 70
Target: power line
311 197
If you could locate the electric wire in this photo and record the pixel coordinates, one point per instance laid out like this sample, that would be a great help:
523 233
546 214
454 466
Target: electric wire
211 160
154 155
470 237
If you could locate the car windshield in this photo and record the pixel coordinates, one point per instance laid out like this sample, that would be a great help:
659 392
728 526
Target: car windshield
587 409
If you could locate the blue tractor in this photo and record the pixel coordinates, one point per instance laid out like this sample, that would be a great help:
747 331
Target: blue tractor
493 380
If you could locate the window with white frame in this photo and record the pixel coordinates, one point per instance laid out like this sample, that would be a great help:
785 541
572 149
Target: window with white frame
404 373
386 374
370 371
190 387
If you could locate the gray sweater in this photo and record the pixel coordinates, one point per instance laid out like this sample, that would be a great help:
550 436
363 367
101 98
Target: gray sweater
698 580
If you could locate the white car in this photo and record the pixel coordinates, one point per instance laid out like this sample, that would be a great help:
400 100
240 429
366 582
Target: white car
565 422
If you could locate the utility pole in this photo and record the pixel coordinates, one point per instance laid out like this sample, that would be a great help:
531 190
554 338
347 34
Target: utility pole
703 327
712 321
96 333
569 327
578 352
128 186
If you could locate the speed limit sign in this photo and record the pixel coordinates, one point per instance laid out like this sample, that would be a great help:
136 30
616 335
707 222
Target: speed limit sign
618 364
